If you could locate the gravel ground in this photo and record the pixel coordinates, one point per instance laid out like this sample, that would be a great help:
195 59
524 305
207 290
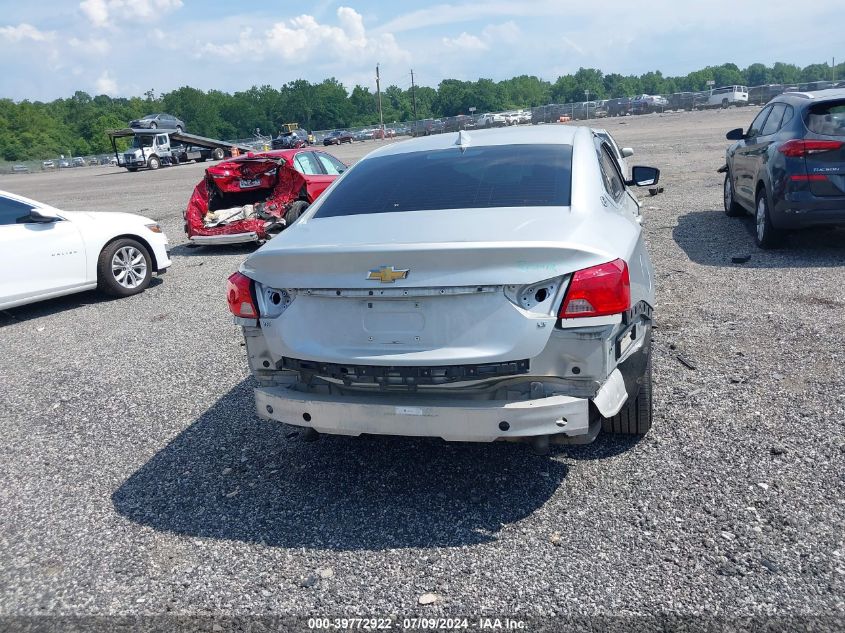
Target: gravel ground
137 479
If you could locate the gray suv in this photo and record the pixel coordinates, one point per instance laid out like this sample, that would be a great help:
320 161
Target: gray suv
788 168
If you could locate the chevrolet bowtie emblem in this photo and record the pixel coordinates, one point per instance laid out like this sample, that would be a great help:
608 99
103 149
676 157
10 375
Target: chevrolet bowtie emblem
387 274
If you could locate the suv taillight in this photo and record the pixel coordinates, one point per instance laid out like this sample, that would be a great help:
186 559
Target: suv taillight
598 291
798 148
240 297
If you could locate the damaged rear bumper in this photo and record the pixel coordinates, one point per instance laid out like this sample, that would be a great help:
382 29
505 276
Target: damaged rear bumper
224 238
451 420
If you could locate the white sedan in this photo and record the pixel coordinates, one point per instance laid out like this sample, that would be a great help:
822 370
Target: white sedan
481 286
45 252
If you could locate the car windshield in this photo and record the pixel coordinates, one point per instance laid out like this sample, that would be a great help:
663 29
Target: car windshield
143 141
827 118
469 178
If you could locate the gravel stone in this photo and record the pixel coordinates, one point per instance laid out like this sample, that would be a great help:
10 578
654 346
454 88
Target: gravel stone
117 426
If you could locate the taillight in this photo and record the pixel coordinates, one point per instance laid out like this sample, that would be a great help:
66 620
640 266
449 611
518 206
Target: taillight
796 148
240 297
598 291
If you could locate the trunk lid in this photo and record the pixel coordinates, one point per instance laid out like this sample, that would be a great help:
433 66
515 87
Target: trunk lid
473 293
438 248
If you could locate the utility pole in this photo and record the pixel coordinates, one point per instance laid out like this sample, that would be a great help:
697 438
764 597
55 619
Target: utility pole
414 94
378 91
833 69
587 104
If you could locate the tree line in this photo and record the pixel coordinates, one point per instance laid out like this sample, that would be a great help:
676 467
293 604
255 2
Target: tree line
77 125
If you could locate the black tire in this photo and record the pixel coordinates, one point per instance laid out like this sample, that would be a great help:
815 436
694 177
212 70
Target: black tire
153 163
107 279
765 234
725 103
295 210
179 129
153 125
732 208
132 169
634 418
218 153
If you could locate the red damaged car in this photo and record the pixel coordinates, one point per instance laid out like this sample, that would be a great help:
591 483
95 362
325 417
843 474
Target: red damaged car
255 196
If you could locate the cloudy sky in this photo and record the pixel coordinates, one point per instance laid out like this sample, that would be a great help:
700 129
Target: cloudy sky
126 47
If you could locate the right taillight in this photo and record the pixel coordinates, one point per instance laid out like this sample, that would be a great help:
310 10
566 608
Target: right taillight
798 148
598 291
240 296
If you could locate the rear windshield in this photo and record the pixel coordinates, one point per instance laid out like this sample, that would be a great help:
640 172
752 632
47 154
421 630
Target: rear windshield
477 177
827 118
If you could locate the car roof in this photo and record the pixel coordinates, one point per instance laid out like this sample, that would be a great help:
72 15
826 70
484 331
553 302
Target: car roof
812 96
516 135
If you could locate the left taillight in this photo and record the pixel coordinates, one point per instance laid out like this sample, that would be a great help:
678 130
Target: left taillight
240 296
797 148
598 291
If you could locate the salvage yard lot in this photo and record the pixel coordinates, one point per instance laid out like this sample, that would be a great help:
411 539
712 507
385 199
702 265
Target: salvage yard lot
137 479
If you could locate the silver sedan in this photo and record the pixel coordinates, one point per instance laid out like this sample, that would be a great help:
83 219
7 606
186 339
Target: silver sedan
473 286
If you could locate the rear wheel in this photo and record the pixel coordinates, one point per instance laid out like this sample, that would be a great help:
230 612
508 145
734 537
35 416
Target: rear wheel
635 416
179 129
725 103
153 125
218 153
732 208
124 268
295 210
766 235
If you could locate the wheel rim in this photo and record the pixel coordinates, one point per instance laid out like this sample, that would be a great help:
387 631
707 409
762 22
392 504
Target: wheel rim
761 219
728 193
129 267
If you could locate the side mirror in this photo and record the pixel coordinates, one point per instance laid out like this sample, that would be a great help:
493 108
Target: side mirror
36 217
643 176
626 152
735 134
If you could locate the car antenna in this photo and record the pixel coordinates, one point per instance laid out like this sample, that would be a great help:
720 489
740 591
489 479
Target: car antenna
464 140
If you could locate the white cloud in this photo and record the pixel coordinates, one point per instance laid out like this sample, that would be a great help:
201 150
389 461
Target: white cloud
304 39
93 45
106 84
103 13
25 31
465 42
492 36
506 33
96 10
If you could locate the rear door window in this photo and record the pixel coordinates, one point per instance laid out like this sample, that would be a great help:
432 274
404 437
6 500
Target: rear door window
454 178
773 122
613 183
306 164
827 118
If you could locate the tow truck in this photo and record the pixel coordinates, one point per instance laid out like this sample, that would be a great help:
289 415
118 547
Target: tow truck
152 149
